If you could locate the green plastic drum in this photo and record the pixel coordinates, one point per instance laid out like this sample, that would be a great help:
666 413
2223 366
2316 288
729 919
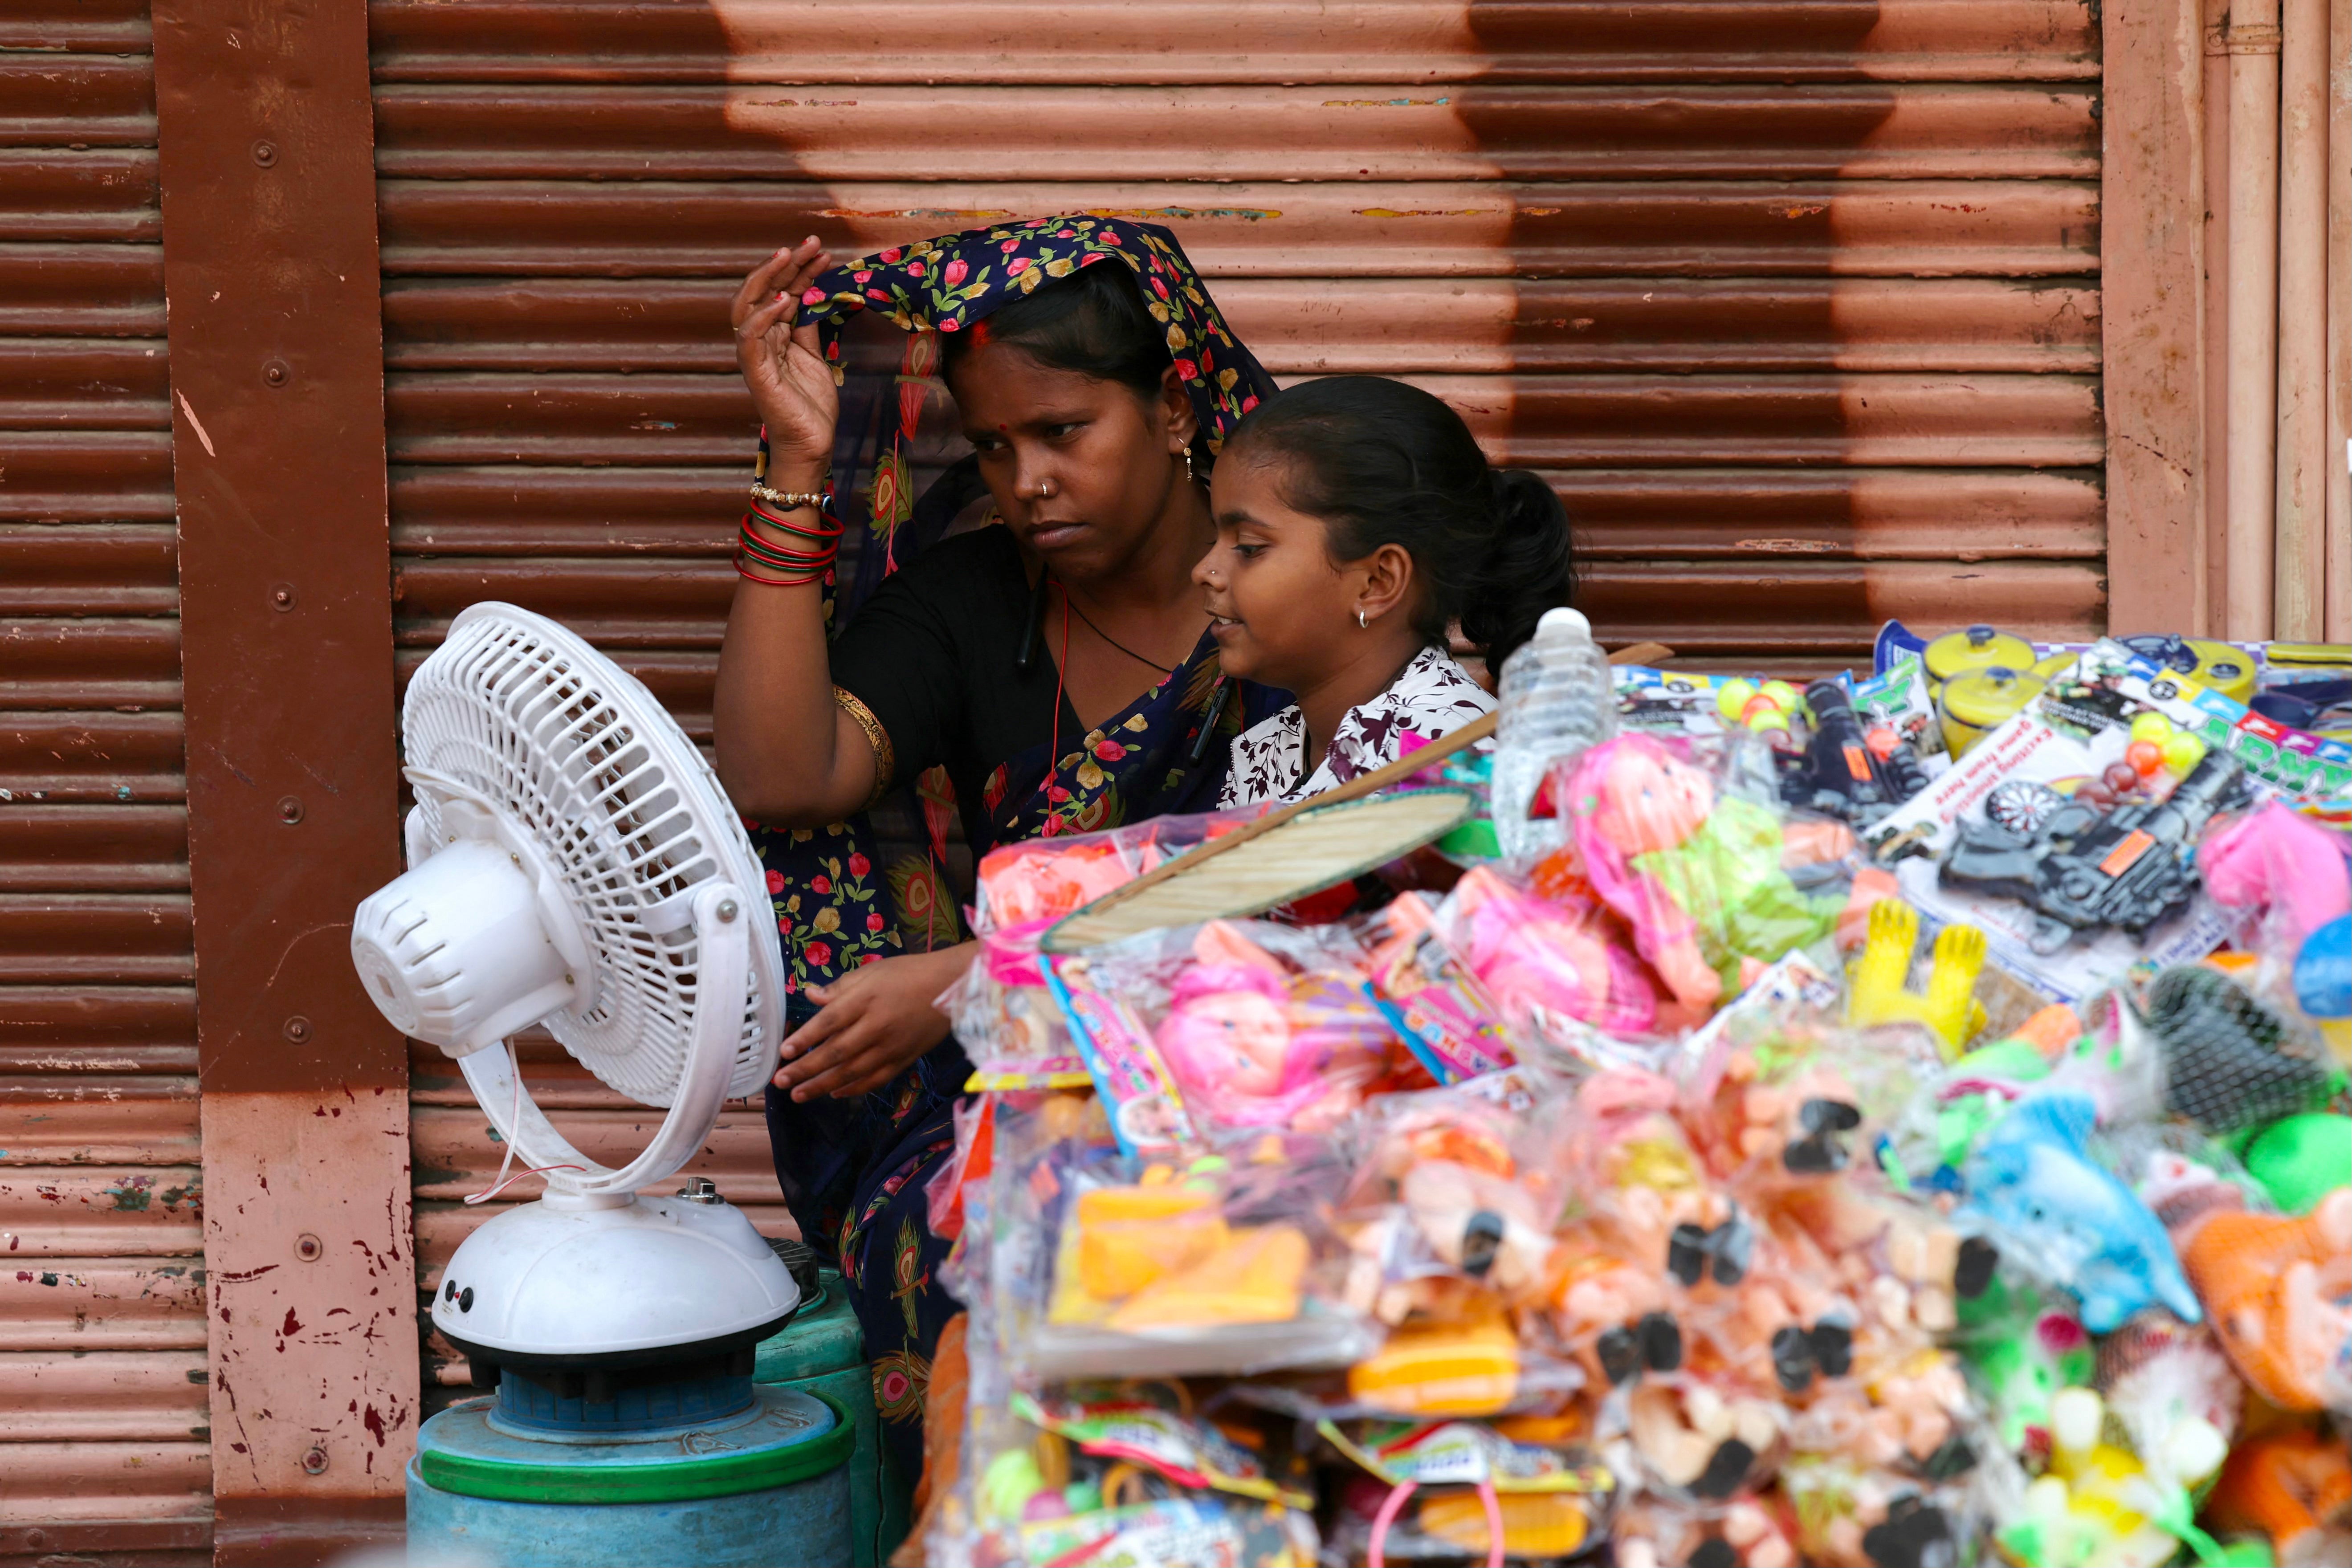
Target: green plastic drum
822 1352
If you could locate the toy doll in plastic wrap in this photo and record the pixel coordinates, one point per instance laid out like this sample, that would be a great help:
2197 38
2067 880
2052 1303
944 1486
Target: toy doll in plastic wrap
1545 956
1701 875
1449 1232
1253 1042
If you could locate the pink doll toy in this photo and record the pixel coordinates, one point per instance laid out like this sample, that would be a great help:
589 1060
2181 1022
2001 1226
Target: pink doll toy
1250 1045
1537 955
1701 876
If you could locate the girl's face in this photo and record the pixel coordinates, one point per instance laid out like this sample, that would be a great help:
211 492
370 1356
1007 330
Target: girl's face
1283 611
1080 470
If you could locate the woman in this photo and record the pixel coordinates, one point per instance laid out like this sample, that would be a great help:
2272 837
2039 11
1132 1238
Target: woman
1056 664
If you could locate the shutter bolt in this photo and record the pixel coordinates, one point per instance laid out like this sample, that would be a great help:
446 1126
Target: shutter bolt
296 1029
306 1247
290 810
265 152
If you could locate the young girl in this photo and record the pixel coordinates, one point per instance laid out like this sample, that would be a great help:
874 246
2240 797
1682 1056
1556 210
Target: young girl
1356 521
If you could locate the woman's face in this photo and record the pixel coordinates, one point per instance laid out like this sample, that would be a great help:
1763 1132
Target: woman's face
1277 600
1080 470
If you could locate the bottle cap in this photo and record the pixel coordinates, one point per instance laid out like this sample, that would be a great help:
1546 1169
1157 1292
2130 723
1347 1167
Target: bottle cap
1563 622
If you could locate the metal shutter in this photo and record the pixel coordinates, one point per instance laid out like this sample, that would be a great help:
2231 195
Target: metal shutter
103 1408
1796 302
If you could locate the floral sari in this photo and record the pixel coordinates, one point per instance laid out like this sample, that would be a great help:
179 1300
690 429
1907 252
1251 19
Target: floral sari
855 1171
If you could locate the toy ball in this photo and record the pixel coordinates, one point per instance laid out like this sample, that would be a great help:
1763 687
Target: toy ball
2121 776
1783 695
2153 727
1731 698
2300 1159
1765 719
1882 742
2323 971
2183 751
2145 757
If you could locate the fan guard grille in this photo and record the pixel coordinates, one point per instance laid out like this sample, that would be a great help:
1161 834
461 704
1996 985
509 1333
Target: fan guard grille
625 808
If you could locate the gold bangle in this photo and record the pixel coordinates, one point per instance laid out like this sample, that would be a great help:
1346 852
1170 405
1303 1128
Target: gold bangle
790 500
885 756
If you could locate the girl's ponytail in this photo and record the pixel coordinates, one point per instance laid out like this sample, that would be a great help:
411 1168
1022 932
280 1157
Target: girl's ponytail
1380 463
1529 567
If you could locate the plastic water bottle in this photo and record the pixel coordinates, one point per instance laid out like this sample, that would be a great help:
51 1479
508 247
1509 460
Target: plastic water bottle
1557 699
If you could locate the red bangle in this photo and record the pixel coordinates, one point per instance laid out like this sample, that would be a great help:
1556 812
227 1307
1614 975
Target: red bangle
801 582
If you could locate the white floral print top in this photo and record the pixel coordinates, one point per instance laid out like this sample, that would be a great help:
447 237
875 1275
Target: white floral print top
1430 698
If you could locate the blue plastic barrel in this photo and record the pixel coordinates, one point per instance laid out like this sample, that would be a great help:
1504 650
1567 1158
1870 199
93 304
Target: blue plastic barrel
764 1485
823 1351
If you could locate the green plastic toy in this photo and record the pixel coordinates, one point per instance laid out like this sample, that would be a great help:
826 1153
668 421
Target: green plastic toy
2300 1159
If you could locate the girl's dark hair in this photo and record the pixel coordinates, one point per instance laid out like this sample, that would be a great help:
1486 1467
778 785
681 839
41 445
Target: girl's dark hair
1093 321
1384 463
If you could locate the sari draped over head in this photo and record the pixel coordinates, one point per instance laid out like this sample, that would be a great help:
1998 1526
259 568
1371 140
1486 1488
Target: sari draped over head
902 475
876 884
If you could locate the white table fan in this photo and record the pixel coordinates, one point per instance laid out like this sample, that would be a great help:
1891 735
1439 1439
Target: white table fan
573 862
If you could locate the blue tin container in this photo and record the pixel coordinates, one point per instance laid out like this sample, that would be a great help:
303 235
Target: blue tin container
765 1483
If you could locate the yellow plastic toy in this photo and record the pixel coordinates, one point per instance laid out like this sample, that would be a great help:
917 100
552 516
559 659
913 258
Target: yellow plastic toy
1879 991
2093 1506
1469 1366
1535 1524
1129 1236
1253 1277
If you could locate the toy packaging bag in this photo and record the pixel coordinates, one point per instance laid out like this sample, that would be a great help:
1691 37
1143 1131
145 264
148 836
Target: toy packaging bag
1222 1264
1026 887
1549 954
1714 883
1430 997
1223 1025
2068 835
1116 1474
1003 1012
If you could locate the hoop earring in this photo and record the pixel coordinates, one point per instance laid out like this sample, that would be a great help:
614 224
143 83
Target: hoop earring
1361 624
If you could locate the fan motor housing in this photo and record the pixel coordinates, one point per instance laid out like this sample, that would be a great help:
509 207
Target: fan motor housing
456 952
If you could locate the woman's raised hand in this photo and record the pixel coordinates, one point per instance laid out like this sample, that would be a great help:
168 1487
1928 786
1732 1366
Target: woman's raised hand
790 385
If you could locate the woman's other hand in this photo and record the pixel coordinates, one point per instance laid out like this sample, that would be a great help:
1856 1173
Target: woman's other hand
791 386
875 1021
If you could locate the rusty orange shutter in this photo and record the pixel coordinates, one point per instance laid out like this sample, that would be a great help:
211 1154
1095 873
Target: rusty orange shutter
103 1404
1795 302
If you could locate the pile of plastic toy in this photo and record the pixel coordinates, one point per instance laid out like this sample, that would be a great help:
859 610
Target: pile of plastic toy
1897 1123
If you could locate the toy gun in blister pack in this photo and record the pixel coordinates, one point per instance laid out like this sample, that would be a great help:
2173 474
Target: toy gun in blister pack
1840 773
2128 867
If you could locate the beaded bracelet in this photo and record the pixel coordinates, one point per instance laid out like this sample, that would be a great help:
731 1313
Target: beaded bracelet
790 500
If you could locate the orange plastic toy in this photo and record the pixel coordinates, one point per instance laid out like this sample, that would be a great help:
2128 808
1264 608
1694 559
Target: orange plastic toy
2272 1284
2288 1485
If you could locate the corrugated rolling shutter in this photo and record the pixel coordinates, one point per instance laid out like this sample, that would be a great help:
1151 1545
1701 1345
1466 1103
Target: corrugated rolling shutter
103 1414
1796 301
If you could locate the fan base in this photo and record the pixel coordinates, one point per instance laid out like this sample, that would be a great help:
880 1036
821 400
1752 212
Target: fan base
659 1280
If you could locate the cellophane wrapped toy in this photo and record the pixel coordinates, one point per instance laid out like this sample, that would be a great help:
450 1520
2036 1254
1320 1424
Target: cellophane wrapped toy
1549 954
1026 887
1230 1026
1706 878
1448 1218
1219 1262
